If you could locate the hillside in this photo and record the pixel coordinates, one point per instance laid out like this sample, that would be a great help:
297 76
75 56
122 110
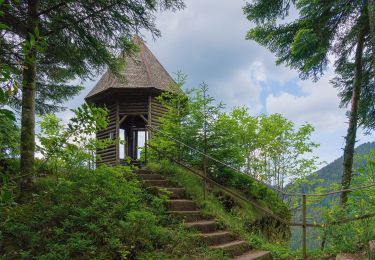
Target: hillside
331 173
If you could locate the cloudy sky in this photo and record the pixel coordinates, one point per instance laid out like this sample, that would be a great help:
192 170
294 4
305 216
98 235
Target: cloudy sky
207 42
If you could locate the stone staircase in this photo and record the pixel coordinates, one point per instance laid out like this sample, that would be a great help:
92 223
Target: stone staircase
186 209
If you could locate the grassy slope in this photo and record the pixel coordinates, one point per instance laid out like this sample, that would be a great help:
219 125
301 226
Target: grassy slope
236 216
101 214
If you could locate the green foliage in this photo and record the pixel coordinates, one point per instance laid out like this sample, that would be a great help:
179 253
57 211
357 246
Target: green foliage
9 135
354 236
71 40
103 214
282 150
269 148
321 28
190 118
73 145
341 30
9 131
342 237
232 214
331 173
176 102
100 223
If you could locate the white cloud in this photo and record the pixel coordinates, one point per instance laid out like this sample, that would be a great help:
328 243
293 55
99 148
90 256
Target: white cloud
207 42
318 105
242 87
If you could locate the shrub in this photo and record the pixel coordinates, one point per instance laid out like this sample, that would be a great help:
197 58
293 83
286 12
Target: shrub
102 214
84 214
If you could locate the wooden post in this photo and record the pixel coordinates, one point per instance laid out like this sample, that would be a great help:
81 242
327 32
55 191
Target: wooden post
135 134
117 133
149 115
146 132
304 246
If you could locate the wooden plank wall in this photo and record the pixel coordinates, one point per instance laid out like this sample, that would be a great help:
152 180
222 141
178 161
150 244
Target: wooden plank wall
108 155
127 105
157 111
133 105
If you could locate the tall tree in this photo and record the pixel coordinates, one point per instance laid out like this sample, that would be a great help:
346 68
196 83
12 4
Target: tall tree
48 43
323 28
371 13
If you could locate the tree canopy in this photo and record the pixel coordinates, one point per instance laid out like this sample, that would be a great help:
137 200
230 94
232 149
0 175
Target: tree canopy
46 44
267 147
336 30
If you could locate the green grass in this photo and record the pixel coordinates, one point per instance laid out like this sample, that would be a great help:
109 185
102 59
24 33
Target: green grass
236 216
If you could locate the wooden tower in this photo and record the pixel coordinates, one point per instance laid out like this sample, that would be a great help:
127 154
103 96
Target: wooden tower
131 101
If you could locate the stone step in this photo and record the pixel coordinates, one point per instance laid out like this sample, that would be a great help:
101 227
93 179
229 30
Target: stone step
203 225
217 238
176 193
145 171
255 255
159 183
181 205
233 248
187 215
371 247
152 176
352 256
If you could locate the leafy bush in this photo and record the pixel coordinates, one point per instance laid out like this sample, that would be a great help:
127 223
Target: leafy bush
353 236
82 214
72 145
102 214
267 147
252 190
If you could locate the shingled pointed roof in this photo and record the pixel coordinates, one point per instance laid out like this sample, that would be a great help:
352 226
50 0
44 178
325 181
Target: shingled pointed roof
142 70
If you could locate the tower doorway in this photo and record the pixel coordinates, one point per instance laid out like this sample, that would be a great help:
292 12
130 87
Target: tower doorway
133 136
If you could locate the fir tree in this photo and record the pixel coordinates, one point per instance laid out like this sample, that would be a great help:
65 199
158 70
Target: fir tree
323 28
48 43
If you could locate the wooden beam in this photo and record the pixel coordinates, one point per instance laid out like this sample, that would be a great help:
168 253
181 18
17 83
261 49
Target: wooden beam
123 119
137 113
144 119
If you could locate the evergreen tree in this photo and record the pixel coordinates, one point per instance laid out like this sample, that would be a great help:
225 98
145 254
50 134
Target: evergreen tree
371 13
324 28
47 43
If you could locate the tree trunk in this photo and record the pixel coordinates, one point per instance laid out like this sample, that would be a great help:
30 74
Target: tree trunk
371 15
28 102
353 119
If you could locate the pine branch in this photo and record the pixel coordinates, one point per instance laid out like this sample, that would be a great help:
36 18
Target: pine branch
53 8
105 8
13 22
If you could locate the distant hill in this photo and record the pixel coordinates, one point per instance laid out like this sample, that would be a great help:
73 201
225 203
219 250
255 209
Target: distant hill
332 172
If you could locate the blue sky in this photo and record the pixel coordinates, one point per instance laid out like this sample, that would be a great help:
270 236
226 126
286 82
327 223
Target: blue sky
207 42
